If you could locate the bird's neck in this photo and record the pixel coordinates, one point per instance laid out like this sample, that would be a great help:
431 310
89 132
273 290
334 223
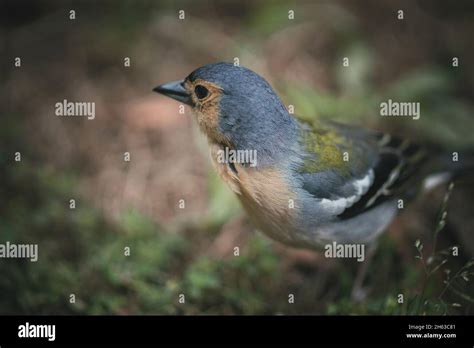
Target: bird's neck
272 138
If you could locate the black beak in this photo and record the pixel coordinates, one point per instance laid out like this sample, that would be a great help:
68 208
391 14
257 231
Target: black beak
176 91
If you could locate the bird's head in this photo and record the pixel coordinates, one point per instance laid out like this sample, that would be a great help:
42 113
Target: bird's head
234 107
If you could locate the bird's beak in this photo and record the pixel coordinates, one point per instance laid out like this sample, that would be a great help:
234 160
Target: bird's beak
176 91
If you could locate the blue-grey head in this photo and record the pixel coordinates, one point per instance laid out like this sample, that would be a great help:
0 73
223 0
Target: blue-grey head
236 107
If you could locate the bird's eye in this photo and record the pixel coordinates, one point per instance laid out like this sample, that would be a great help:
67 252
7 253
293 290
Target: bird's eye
201 91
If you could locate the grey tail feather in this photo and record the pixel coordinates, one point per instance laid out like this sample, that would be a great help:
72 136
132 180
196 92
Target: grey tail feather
434 180
454 166
459 164
451 167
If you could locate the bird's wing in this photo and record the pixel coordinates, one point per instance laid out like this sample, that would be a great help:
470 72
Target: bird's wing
350 170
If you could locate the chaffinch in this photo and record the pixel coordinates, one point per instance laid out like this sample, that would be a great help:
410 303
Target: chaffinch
312 183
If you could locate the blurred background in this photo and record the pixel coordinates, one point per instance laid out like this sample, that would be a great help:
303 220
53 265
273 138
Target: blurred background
135 204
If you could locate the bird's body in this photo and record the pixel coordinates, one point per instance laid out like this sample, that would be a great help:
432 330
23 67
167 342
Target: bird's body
290 200
314 182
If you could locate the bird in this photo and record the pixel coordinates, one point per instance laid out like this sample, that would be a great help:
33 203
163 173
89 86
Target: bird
314 181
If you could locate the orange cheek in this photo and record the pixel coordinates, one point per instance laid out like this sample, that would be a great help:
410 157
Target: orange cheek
207 110
207 117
